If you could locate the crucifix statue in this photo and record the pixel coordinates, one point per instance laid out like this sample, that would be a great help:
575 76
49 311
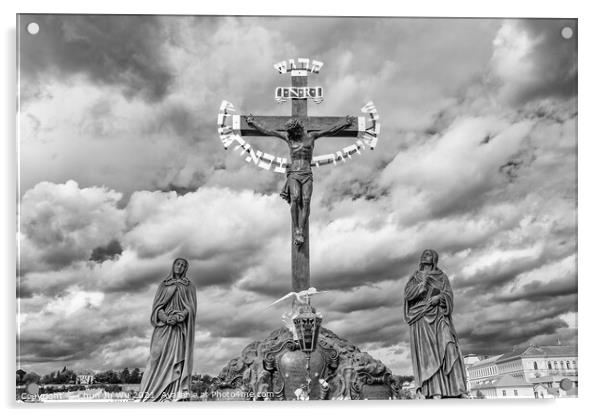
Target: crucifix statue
299 132
299 179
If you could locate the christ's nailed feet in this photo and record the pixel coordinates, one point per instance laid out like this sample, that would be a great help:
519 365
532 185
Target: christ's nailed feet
298 238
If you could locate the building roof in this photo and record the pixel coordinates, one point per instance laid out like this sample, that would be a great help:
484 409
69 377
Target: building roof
471 359
485 362
560 350
534 351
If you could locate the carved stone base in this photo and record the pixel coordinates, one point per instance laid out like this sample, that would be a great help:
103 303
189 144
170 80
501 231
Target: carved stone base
275 369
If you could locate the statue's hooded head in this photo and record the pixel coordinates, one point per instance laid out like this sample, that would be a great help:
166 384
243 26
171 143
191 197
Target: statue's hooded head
429 257
294 127
179 268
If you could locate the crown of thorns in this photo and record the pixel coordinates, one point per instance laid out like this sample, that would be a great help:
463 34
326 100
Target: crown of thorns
293 124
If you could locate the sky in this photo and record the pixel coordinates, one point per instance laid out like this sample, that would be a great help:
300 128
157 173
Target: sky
122 170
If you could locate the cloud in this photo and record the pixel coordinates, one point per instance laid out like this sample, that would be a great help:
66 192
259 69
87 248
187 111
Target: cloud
215 220
499 326
72 326
121 51
457 170
223 233
61 223
550 280
383 294
110 251
532 60
174 135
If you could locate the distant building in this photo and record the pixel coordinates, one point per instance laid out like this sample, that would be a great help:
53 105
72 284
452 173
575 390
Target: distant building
410 386
503 386
549 371
472 359
483 369
535 362
84 377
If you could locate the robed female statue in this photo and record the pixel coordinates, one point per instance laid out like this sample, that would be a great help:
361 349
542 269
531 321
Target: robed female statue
168 372
436 357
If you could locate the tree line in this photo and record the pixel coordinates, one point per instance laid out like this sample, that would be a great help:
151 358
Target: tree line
68 376
200 382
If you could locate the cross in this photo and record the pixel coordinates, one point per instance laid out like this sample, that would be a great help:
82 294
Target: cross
298 93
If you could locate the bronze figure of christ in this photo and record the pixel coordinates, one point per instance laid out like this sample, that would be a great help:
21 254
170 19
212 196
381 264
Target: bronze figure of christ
298 187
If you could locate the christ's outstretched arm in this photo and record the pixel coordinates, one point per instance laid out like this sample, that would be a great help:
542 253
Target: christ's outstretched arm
268 132
333 130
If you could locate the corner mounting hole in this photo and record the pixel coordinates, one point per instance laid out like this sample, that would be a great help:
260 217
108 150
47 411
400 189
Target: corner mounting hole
566 32
33 28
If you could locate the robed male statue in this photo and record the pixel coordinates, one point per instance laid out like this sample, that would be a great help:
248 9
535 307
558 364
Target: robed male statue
168 372
436 357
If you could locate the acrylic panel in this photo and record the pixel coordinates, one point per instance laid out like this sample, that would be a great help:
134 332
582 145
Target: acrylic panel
266 208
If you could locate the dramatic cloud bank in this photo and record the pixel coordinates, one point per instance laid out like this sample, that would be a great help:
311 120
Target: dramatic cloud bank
122 170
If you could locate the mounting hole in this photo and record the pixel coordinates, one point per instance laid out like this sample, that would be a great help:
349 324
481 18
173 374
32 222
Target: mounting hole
566 32
33 28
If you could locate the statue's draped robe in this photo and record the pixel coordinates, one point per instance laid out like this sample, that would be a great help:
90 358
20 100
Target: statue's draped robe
169 368
436 356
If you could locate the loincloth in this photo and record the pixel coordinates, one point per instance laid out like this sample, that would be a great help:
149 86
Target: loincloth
300 176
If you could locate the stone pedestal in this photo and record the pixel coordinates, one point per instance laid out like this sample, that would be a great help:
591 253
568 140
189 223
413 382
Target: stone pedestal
274 368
